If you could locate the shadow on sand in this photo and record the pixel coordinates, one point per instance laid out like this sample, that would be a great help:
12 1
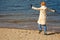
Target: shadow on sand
53 33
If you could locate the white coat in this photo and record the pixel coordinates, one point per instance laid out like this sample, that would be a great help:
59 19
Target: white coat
42 15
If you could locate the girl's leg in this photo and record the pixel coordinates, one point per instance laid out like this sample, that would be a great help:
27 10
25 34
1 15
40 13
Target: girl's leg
45 29
40 28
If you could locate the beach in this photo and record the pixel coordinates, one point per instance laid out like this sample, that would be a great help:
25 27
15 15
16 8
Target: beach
18 21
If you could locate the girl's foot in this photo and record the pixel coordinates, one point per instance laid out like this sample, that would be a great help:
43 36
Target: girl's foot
40 31
45 34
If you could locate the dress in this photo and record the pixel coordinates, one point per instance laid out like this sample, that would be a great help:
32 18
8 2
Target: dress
42 14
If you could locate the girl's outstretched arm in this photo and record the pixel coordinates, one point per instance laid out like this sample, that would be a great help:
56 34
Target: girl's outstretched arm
35 8
51 10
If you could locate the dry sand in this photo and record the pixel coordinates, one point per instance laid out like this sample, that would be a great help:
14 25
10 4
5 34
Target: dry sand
21 34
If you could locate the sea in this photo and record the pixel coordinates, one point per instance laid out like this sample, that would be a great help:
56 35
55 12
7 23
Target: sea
18 13
18 5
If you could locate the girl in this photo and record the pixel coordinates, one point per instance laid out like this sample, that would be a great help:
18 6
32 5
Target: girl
42 17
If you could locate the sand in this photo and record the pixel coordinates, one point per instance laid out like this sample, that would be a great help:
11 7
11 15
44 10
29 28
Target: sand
23 34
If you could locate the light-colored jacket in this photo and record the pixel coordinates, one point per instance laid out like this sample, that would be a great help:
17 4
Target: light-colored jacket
42 16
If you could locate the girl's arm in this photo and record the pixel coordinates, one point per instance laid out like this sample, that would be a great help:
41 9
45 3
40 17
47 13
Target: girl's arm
51 10
35 8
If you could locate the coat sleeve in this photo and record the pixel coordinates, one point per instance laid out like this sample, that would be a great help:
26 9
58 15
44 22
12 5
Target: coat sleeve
35 8
51 10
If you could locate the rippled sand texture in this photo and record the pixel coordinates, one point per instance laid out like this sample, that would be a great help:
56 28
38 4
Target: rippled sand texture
21 34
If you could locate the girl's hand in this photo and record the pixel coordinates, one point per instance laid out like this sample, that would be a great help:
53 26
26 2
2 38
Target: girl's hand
53 10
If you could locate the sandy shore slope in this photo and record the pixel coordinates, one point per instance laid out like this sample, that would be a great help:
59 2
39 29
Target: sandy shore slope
21 34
